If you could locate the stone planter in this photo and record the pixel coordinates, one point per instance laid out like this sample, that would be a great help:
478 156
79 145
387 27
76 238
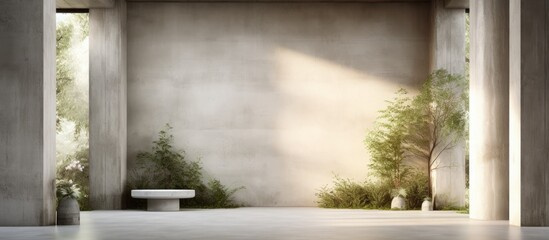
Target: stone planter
68 212
427 205
398 203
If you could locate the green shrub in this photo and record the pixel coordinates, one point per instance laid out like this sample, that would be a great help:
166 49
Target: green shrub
166 168
215 195
380 195
417 189
344 194
348 194
372 195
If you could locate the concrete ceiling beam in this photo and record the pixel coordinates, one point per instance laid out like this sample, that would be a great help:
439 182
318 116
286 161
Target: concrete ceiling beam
79 4
464 4
276 0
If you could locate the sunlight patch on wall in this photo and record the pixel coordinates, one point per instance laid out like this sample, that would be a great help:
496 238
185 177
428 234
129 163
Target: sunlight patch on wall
325 113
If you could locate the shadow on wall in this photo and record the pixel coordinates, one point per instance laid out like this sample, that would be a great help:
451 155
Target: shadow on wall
272 96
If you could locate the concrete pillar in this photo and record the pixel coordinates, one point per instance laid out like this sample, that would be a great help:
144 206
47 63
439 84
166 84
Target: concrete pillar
448 52
489 110
108 106
529 113
27 112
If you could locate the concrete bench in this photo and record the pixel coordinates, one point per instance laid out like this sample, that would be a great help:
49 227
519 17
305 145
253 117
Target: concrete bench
163 199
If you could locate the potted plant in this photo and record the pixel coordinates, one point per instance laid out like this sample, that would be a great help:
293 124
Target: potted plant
427 204
68 210
399 199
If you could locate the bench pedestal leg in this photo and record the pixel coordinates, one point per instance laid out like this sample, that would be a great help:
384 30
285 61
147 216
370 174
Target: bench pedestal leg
163 204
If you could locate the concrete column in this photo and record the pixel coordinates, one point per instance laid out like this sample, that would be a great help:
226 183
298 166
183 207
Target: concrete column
448 52
27 112
489 110
108 106
529 113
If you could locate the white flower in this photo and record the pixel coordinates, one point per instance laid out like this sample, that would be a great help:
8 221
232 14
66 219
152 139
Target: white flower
75 165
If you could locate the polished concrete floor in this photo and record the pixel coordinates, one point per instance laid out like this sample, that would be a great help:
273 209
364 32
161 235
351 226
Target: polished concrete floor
277 223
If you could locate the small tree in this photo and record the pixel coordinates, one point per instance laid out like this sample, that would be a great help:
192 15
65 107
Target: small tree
386 141
438 118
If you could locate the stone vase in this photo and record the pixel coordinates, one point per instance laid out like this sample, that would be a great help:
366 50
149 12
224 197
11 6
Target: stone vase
68 212
398 203
427 205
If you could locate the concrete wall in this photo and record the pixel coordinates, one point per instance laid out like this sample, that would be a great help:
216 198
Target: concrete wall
27 112
276 97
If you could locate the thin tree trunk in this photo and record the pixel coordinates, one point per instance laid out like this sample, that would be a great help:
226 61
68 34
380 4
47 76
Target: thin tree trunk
430 182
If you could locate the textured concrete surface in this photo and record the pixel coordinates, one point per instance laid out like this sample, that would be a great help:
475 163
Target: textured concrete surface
67 4
163 193
529 124
457 4
515 108
163 199
163 205
489 110
27 112
448 38
108 106
275 97
277 223
448 52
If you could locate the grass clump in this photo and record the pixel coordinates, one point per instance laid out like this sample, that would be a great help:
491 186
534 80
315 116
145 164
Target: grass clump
345 193
348 194
417 189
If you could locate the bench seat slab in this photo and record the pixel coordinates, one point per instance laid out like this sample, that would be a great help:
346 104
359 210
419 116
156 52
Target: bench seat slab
163 199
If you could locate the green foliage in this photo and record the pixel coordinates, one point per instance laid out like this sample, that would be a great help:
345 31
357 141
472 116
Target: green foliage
216 195
438 118
417 189
467 77
344 194
418 128
398 192
372 195
75 168
72 103
66 189
166 168
462 210
386 141
348 194
380 197
72 107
